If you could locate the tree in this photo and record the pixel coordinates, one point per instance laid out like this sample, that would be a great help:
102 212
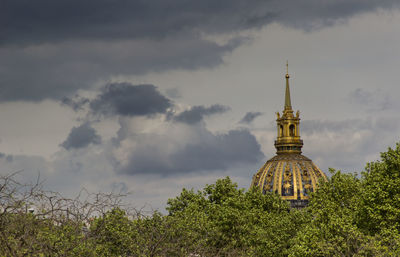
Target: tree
346 216
381 193
222 220
353 217
56 226
113 234
332 230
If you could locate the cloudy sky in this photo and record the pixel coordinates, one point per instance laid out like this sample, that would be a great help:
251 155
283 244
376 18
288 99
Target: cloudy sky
150 96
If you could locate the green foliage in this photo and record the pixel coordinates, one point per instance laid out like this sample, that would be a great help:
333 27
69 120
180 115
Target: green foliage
381 193
23 234
355 217
113 234
332 230
224 220
347 216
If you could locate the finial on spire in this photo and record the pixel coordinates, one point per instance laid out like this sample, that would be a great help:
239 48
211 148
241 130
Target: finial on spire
287 69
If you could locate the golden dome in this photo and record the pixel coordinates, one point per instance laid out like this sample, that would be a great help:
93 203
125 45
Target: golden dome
290 174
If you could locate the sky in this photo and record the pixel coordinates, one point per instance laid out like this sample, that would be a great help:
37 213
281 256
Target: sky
147 97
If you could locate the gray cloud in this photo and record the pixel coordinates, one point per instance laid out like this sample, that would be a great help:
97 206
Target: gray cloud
27 22
59 70
173 93
130 100
196 113
162 155
28 168
372 100
81 137
249 117
310 127
63 46
76 103
348 144
7 157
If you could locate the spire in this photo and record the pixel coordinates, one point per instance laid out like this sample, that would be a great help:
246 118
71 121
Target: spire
288 104
288 140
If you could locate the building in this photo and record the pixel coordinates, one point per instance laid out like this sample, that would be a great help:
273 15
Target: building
289 173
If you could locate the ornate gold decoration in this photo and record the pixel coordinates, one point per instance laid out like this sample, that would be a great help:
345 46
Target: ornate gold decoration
289 173
287 179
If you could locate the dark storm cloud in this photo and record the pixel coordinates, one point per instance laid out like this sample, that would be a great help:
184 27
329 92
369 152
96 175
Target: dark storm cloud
196 113
81 137
249 117
53 71
210 153
51 49
76 103
130 100
25 21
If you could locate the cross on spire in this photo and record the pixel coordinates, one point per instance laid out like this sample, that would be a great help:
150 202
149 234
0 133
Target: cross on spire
287 67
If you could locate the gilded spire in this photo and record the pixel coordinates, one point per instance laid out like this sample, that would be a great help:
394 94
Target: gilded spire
288 140
288 104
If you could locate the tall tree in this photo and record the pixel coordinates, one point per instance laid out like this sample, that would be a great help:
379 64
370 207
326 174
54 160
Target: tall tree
381 193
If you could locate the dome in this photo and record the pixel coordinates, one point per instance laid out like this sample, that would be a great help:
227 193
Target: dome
292 176
289 174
